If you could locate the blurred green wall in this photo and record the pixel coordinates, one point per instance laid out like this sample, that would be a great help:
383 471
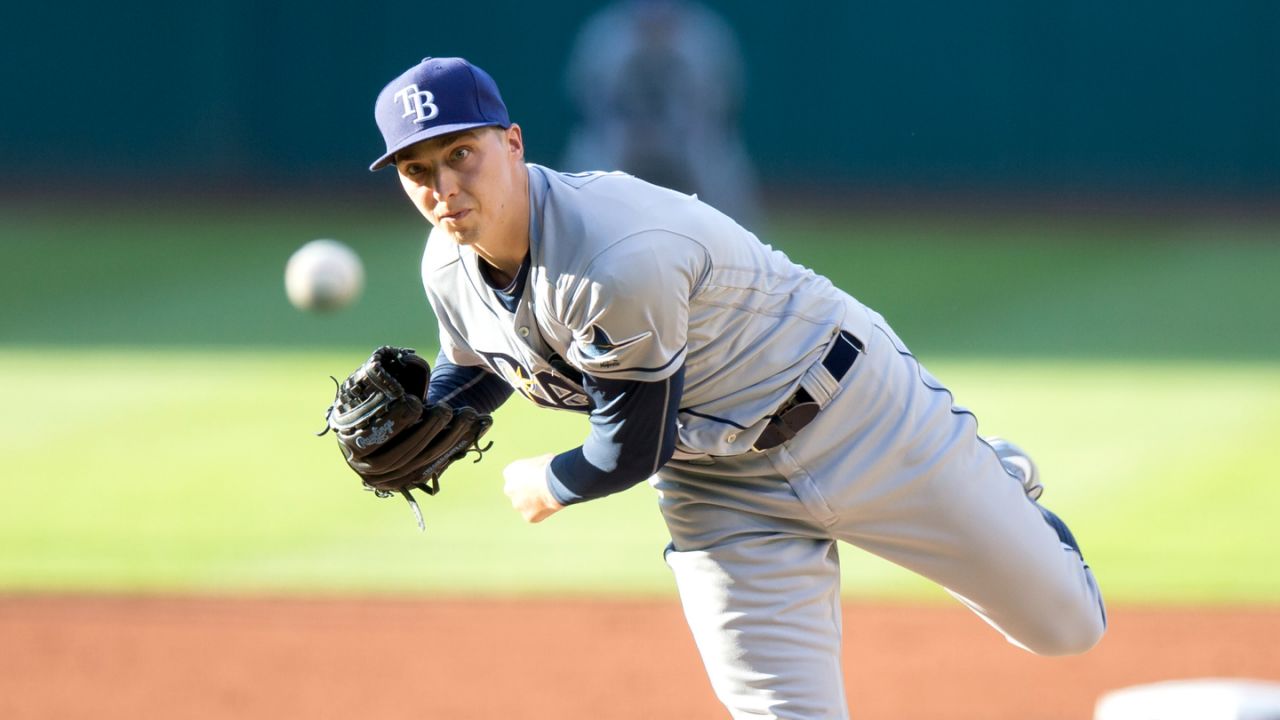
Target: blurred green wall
1137 96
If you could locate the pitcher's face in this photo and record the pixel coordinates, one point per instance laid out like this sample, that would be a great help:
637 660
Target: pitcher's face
467 183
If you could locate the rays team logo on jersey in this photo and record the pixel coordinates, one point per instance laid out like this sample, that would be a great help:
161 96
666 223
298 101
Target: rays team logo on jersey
416 102
544 388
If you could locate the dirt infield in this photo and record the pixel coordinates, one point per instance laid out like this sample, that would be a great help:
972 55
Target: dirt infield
108 658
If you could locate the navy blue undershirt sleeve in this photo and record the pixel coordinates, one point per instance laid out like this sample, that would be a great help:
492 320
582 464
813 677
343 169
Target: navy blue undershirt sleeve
466 386
633 433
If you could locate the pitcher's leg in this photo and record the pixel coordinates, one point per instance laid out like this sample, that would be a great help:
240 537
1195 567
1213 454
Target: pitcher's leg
765 614
760 582
975 532
907 477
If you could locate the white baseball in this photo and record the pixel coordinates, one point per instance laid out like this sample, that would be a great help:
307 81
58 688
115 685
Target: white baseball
323 275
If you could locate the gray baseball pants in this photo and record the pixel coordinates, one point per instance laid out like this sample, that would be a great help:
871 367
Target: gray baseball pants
889 466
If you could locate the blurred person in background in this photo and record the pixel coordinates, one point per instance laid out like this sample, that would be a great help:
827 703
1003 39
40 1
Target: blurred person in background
658 85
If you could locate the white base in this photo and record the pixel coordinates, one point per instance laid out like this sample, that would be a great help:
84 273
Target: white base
1201 699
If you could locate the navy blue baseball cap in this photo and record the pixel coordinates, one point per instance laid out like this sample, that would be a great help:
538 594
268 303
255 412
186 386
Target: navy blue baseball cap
435 97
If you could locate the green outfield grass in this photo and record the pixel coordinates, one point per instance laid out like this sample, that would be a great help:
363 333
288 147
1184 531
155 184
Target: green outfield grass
162 397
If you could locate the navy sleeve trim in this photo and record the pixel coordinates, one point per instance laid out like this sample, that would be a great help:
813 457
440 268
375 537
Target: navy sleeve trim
633 434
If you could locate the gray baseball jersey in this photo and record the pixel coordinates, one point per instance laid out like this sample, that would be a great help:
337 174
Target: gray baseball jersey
627 280
652 271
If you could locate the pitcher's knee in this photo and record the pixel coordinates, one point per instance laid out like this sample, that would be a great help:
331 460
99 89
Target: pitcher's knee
1069 641
1071 631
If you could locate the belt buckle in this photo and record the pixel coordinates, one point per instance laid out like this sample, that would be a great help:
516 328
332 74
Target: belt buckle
790 419
800 409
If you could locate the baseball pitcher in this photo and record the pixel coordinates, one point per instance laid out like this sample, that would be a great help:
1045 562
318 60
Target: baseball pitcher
772 412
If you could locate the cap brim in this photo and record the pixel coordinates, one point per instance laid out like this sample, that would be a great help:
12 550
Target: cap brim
421 135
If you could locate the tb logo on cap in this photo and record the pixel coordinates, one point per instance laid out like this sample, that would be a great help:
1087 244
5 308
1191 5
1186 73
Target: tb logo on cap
417 102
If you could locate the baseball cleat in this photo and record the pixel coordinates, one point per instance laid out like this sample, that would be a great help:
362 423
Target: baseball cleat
1019 464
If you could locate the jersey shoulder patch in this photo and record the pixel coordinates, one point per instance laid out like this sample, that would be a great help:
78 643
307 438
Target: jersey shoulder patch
597 342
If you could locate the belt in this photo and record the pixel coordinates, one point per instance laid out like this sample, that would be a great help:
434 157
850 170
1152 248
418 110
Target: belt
800 410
